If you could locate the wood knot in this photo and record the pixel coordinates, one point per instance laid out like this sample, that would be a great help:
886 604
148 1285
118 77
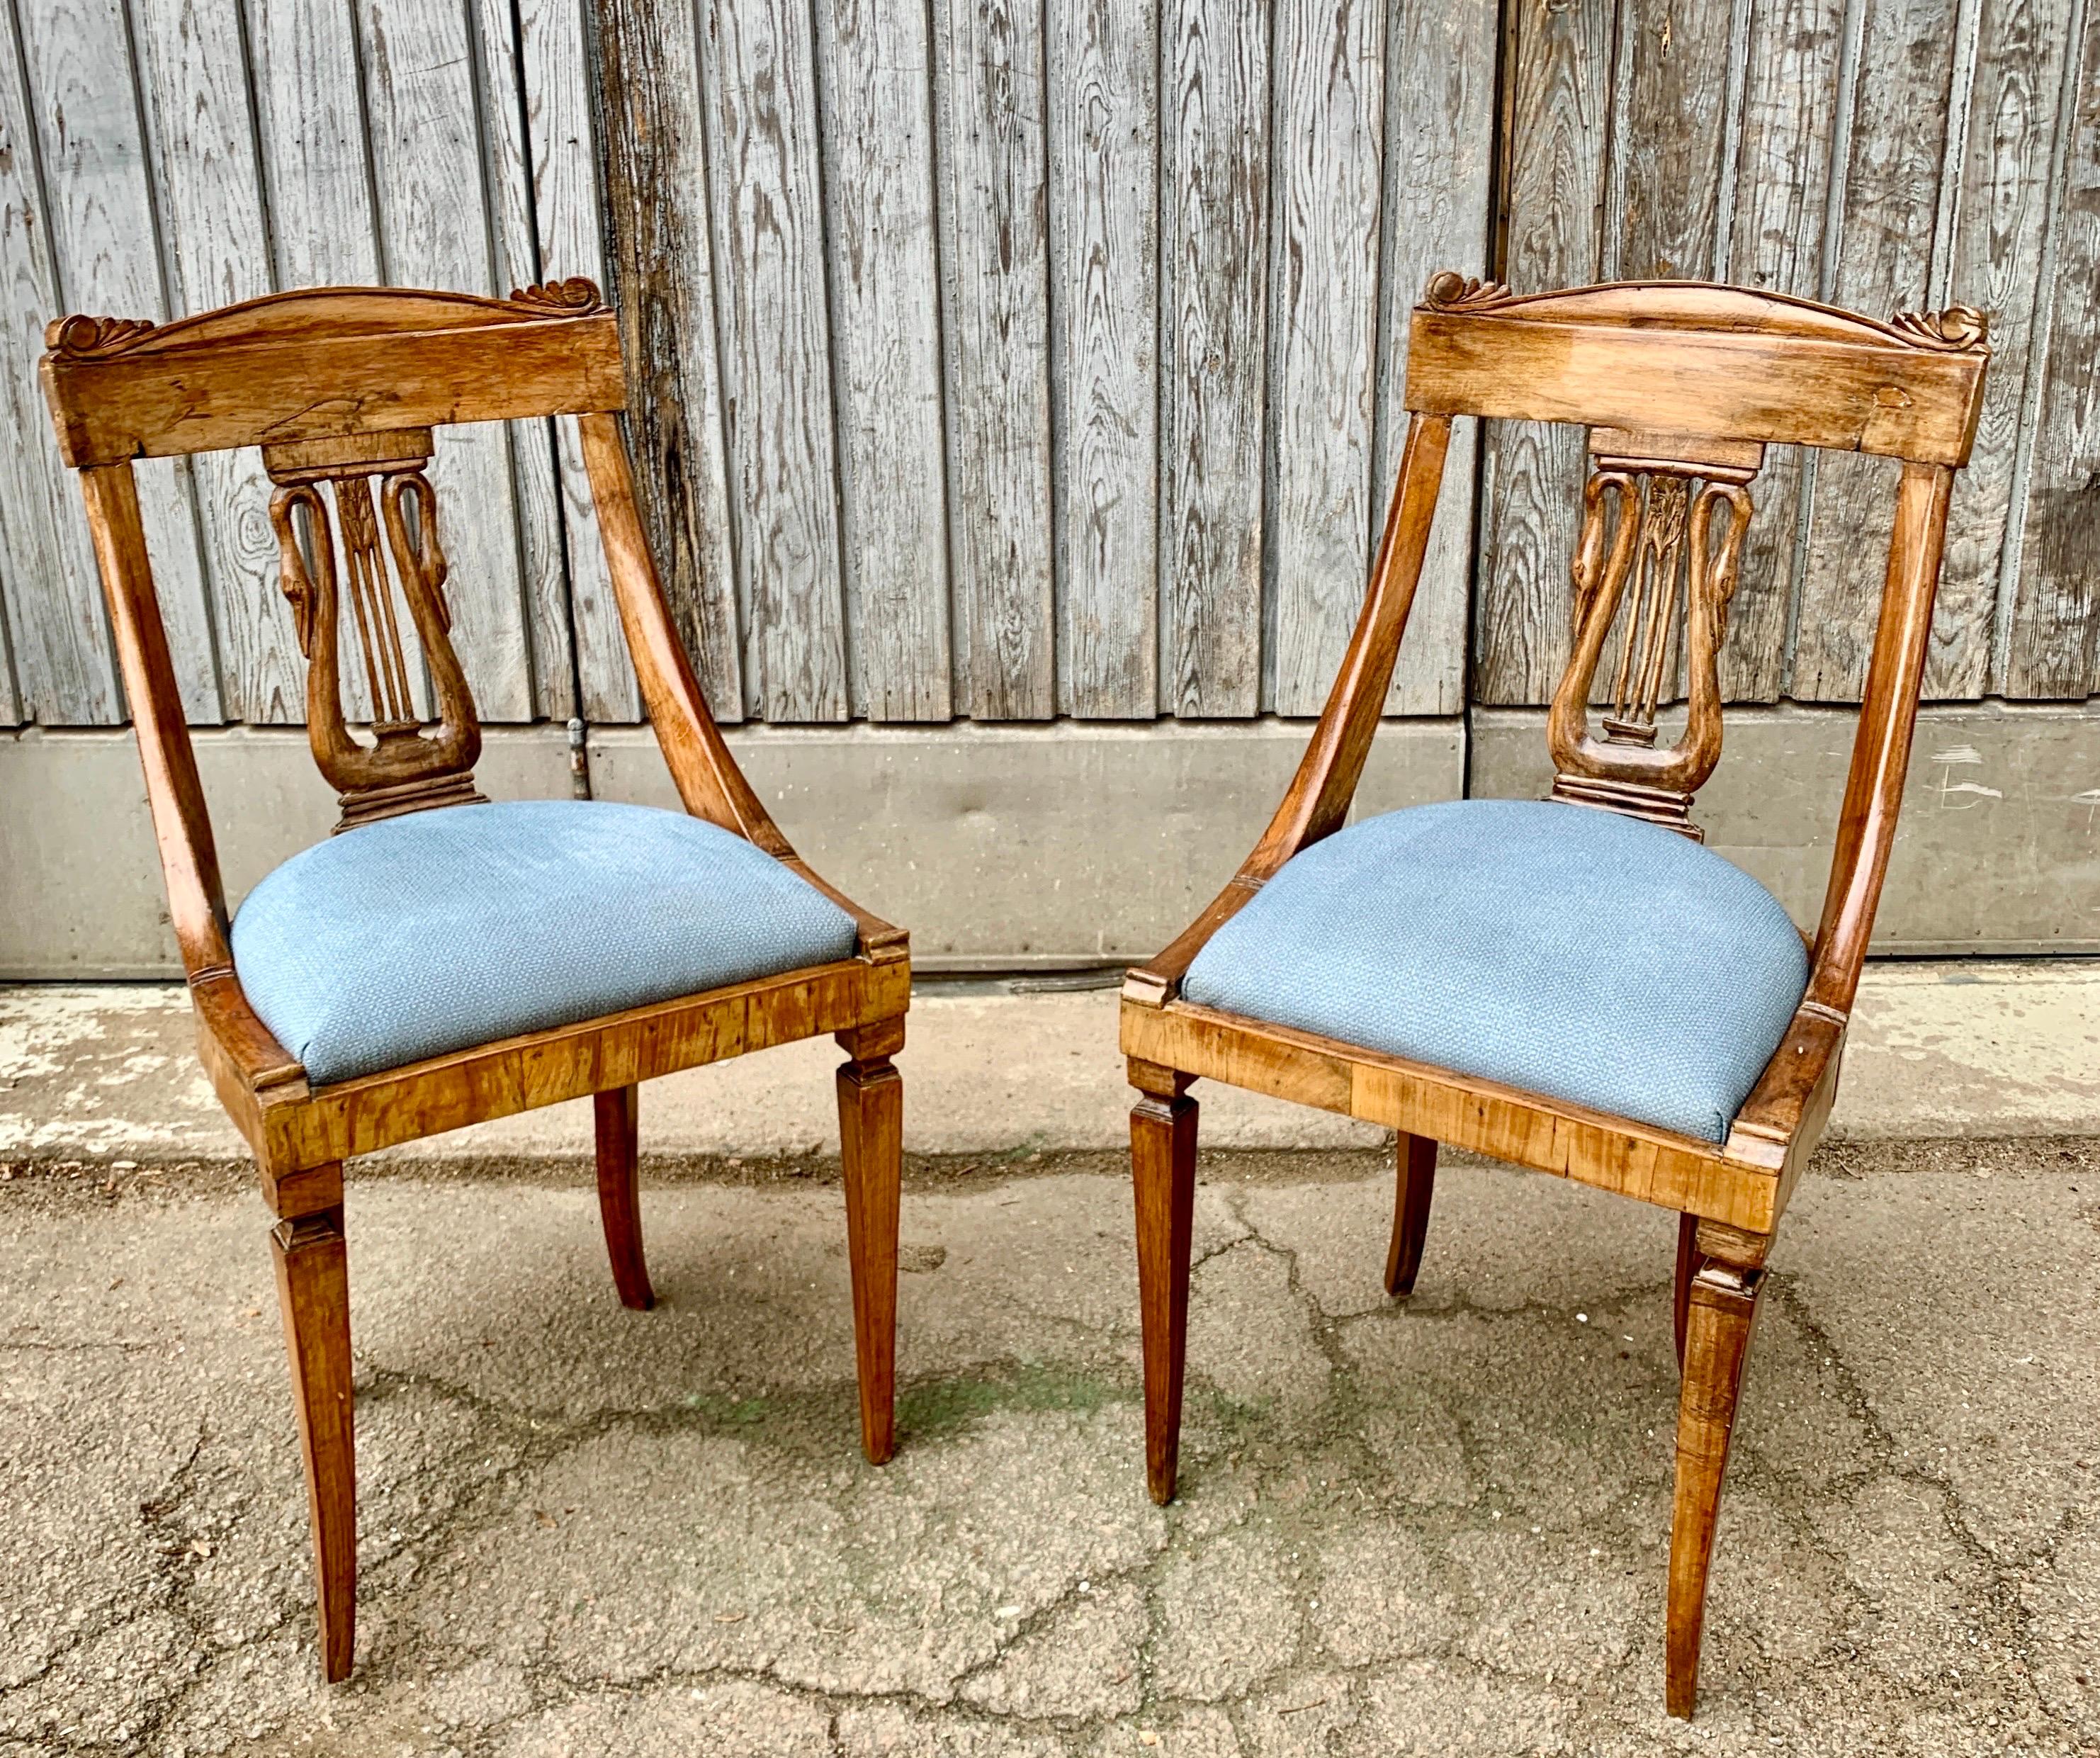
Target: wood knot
81 337
1960 327
568 298
1450 291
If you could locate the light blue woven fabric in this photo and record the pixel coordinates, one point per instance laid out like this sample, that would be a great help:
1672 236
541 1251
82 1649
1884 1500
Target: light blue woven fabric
444 929
1557 948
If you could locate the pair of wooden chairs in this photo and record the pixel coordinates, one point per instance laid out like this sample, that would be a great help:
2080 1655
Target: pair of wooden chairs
1574 985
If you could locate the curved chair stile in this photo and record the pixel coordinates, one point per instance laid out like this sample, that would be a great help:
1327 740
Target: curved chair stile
1593 995
342 388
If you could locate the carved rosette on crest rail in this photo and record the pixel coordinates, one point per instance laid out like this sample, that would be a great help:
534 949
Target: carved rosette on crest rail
1663 523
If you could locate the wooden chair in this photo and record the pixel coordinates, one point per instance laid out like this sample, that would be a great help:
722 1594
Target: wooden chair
1495 975
401 959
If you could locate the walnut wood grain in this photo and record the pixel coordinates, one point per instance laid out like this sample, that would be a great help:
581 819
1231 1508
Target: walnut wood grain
1721 1307
616 1117
1687 1267
313 1295
385 521
341 389
871 1159
1571 1142
383 1110
391 358
182 827
1163 1160
1762 367
1682 387
1880 750
1415 1162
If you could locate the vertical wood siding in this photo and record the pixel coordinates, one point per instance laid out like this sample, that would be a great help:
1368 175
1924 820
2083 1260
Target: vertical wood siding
162 156
1021 358
1113 301
1884 155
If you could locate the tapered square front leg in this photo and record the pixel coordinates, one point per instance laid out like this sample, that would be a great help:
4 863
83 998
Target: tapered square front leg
313 1292
1162 1167
1720 1309
871 1154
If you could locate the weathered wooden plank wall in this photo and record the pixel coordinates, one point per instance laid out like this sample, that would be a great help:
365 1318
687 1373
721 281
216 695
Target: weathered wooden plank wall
1017 359
1884 155
1111 300
161 157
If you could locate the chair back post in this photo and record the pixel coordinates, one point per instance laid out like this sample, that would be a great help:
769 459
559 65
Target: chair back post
1880 747
707 779
175 793
1318 802
710 784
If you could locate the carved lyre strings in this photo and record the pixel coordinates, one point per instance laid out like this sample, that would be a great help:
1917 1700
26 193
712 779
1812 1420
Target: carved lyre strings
1649 563
1651 635
372 600
405 768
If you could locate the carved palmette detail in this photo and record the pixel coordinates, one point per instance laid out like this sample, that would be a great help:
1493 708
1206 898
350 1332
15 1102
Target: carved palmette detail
1651 562
1451 291
569 298
82 337
390 555
1959 326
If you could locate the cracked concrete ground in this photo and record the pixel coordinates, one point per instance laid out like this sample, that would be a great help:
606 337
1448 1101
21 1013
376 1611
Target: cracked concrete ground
1436 1527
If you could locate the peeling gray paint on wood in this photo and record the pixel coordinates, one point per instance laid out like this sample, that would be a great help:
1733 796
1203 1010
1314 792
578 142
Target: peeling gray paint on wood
759 62
1553 165
164 156
878 136
1782 172
1329 57
2053 634
646 62
1214 347
1104 65
201 150
64 672
1439 204
1881 263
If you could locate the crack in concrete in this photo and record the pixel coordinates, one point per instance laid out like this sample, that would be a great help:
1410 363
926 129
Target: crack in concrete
537 1438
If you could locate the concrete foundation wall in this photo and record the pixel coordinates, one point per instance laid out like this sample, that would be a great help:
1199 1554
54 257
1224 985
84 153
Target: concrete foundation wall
999 847
1997 849
1016 848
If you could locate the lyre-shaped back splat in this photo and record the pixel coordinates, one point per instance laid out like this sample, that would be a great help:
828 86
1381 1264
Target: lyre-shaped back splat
1650 546
404 769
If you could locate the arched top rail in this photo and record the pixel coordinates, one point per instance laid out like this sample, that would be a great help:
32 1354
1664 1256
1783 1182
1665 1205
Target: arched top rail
325 364
1687 359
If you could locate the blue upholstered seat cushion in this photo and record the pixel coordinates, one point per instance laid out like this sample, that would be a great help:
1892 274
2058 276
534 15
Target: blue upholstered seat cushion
441 930
1566 951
